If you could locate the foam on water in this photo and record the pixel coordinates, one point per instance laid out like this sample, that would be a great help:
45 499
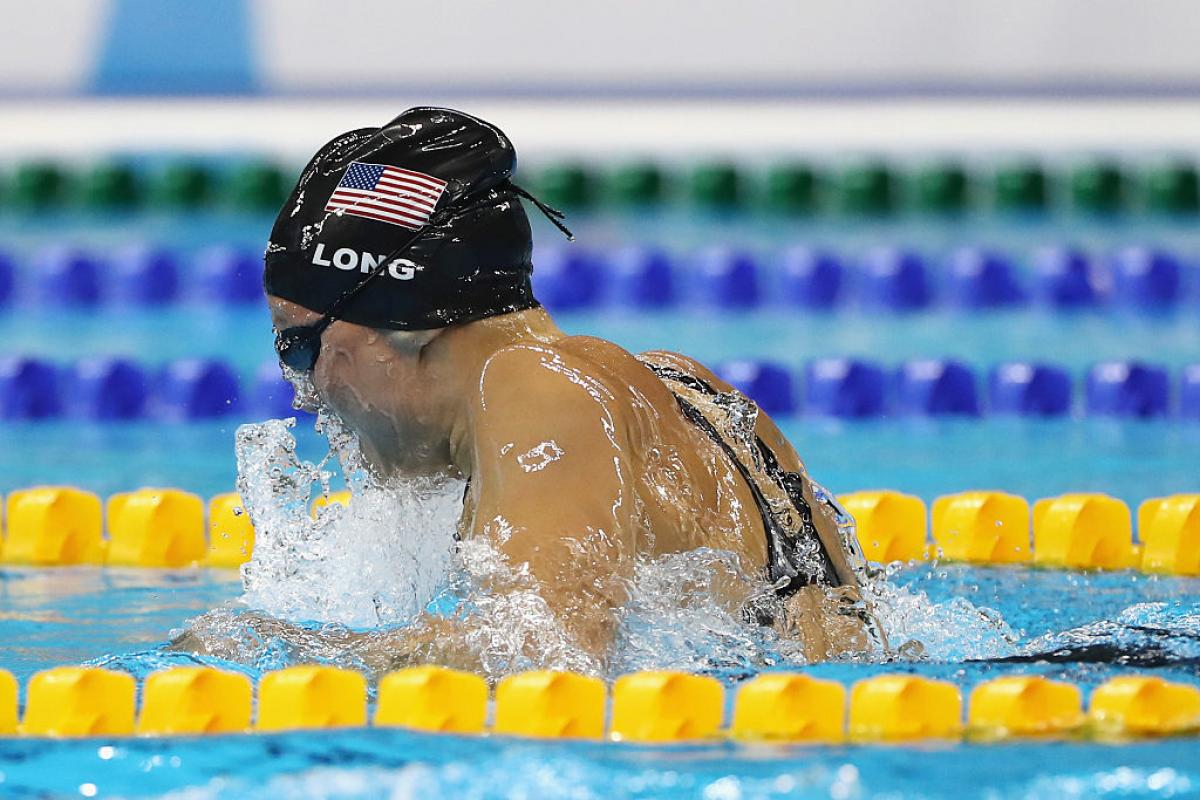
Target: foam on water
379 562
952 630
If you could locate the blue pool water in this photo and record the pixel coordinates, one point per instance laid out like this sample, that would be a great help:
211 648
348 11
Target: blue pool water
1099 625
242 336
1131 459
975 623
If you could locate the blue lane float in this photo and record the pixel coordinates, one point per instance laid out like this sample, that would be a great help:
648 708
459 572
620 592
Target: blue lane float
568 278
980 278
106 389
810 279
196 389
1189 392
65 276
29 389
271 394
641 278
894 279
767 384
144 276
227 275
1064 278
799 277
844 388
727 278
935 388
1146 278
1029 390
1128 389
113 389
8 279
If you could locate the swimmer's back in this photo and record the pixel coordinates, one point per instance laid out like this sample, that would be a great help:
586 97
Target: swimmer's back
657 410
689 493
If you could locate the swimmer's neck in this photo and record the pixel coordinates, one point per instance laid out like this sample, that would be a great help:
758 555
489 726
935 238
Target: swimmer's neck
451 365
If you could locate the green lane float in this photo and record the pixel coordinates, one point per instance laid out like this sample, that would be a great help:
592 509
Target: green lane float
870 187
942 188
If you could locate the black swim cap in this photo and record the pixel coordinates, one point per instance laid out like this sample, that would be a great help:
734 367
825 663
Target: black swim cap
431 173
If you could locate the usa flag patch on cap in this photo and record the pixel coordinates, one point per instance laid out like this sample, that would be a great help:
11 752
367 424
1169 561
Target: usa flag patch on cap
387 194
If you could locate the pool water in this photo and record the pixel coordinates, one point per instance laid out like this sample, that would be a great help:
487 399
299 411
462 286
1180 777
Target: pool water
974 623
1133 460
1093 626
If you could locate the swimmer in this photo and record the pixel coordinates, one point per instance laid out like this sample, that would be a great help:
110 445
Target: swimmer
398 279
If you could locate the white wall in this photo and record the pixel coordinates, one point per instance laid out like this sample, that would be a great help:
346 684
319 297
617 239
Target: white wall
295 128
623 47
639 45
49 46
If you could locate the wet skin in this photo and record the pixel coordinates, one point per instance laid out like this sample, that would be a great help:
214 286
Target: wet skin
578 458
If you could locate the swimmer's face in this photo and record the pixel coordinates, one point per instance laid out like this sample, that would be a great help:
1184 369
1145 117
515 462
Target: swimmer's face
372 379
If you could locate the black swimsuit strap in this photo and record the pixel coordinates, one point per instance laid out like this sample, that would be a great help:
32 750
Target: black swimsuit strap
779 565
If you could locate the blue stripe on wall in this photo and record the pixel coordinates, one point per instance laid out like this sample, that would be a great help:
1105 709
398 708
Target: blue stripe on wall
177 47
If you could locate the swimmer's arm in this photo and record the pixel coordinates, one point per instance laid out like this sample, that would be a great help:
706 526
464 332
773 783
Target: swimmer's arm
551 486
551 494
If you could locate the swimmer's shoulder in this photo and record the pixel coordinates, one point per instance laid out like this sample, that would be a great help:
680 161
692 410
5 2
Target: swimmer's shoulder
536 370
569 390
599 361
592 355
612 362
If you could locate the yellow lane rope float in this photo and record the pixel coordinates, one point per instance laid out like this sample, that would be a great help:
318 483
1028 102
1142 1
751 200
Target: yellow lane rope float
166 528
642 707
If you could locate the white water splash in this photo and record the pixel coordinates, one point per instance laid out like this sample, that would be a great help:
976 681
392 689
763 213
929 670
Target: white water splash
508 624
952 631
676 619
379 561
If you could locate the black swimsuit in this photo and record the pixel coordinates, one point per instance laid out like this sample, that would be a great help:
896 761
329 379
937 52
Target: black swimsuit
796 555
